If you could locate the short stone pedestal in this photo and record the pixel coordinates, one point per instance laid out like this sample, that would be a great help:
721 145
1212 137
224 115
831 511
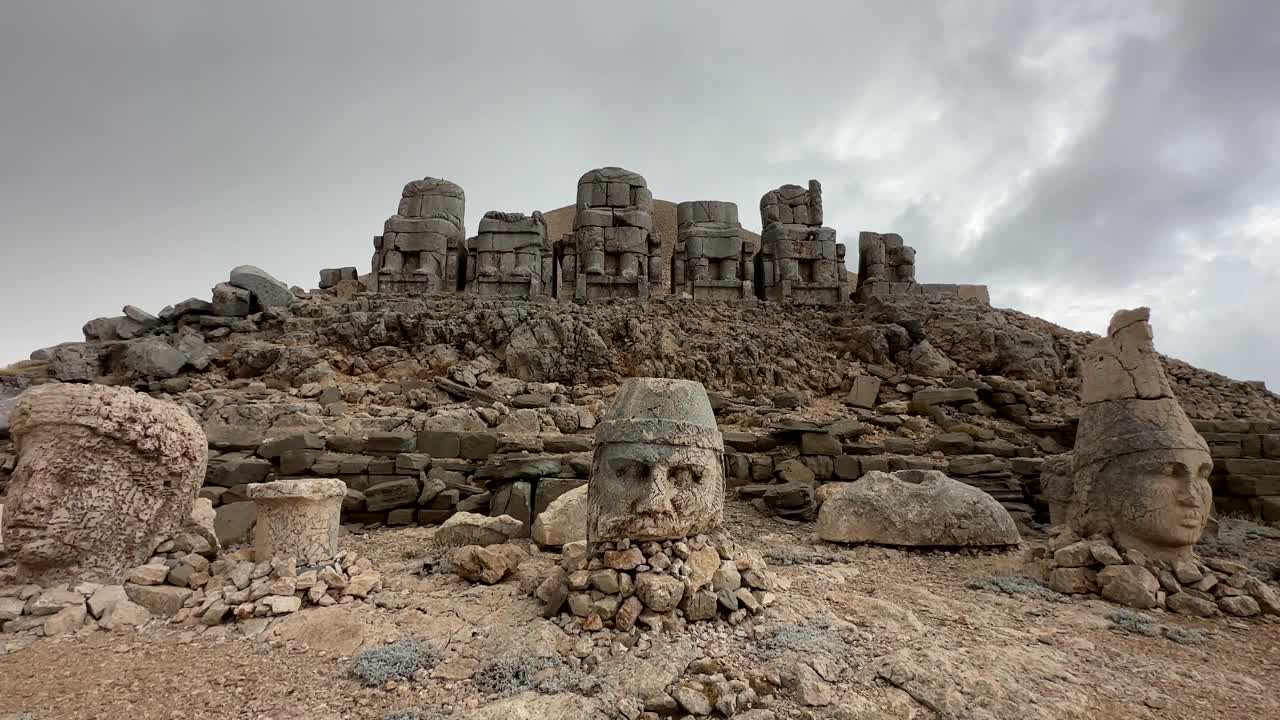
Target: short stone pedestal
297 518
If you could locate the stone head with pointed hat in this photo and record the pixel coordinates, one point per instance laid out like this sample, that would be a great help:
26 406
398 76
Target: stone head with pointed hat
658 469
1140 469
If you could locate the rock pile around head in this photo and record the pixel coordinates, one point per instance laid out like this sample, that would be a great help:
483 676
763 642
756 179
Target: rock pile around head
1201 587
657 583
914 508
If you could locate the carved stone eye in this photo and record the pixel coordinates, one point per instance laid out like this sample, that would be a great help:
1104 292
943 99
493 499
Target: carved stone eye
685 474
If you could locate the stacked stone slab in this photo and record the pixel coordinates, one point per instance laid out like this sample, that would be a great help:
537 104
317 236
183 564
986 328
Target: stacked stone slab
613 252
800 260
713 259
1246 466
422 248
887 266
512 257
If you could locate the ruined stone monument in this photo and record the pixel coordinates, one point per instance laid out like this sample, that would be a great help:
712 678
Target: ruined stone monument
613 251
887 266
655 550
512 257
657 473
885 263
713 259
800 260
104 474
297 518
1140 469
422 248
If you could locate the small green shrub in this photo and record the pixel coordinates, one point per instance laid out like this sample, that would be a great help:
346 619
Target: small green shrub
397 660
1015 585
507 676
816 637
1143 624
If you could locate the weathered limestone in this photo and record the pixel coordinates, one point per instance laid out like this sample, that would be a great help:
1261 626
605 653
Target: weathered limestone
800 260
512 257
713 259
104 474
422 248
914 507
297 519
657 473
1140 469
885 264
613 252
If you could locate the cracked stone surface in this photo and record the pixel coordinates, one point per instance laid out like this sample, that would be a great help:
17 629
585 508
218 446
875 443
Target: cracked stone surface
104 474
1140 469
657 473
297 518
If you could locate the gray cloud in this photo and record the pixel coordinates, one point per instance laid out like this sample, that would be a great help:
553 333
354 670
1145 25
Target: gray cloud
1077 157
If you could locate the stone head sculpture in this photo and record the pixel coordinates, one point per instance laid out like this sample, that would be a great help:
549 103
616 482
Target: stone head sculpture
104 474
657 472
1140 469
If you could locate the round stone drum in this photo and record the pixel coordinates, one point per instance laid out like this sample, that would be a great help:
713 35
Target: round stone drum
297 518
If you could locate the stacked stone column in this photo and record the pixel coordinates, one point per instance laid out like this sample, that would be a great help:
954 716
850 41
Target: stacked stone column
613 252
511 257
422 249
886 266
712 260
801 261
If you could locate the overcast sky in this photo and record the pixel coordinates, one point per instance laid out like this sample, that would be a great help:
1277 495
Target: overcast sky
1078 157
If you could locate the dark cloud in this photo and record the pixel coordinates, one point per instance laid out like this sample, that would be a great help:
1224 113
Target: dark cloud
1076 156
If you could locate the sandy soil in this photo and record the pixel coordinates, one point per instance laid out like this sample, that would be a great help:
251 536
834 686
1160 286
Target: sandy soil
905 615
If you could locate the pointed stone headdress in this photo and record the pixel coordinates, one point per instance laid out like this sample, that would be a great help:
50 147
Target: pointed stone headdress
1129 403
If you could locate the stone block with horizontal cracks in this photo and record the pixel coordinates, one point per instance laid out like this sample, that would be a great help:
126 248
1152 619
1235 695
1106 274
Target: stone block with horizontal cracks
511 256
422 248
799 260
613 251
713 258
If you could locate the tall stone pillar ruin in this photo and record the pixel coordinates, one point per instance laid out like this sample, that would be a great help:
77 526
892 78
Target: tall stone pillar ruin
800 260
512 257
713 258
613 252
422 249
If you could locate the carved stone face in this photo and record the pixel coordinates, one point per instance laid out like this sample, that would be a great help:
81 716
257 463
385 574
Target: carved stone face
655 492
103 475
657 472
1165 507
82 514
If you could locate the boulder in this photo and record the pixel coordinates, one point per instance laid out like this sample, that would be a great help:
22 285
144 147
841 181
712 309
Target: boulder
164 600
564 521
153 358
466 528
915 507
231 301
484 564
1129 585
268 291
233 523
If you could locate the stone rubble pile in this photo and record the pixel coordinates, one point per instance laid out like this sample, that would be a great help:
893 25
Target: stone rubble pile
1203 587
191 589
657 583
